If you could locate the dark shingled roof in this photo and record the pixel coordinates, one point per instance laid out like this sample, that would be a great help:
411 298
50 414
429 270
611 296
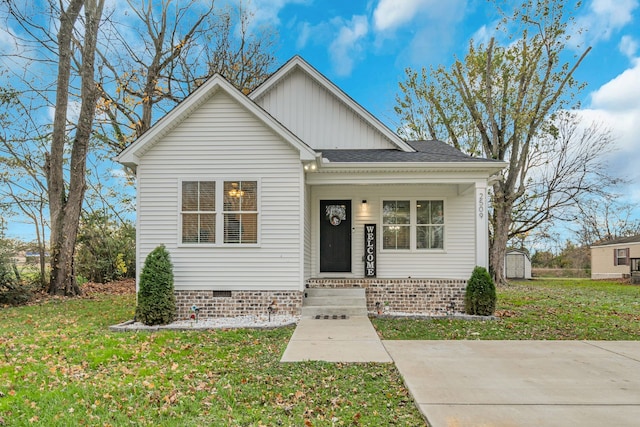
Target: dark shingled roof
619 241
426 151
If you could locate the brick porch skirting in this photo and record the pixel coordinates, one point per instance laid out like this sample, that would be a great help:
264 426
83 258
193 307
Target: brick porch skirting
237 303
415 296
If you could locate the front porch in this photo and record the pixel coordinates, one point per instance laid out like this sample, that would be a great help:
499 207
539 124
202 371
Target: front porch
405 295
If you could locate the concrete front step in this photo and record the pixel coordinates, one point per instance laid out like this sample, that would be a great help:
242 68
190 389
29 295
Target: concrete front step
342 292
335 300
330 301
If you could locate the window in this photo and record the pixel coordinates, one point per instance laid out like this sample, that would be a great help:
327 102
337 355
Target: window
198 212
405 221
430 224
234 222
240 212
621 256
396 224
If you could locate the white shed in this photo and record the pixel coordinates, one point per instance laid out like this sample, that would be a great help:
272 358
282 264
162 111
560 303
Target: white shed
517 265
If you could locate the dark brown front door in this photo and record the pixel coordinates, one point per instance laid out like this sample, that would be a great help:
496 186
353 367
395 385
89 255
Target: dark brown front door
335 236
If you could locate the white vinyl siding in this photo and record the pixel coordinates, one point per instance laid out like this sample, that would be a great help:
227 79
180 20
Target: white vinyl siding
318 117
221 141
455 261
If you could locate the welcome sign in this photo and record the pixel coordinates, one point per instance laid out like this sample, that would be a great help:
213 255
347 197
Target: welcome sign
370 250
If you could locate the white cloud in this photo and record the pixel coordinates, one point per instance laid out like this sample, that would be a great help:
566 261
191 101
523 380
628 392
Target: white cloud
268 11
620 94
617 105
347 46
484 34
603 18
417 31
390 14
628 46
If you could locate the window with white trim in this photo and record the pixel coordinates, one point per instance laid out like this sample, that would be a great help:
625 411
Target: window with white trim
412 224
234 222
396 224
198 212
430 224
240 212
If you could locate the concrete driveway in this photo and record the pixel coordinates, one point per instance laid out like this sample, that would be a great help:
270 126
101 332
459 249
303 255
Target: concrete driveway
522 383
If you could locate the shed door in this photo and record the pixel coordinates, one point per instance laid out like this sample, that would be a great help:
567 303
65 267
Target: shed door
515 266
335 236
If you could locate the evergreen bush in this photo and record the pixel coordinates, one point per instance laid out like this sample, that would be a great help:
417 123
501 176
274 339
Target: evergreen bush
480 296
156 300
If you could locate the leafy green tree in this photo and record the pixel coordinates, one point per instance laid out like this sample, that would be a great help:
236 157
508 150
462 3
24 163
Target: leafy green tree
508 100
480 296
156 300
106 248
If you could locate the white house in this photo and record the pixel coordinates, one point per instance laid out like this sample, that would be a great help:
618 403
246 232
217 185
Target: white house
296 185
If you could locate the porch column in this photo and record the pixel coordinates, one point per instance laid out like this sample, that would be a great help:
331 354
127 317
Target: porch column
482 225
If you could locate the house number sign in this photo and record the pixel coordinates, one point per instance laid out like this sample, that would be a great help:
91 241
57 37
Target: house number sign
481 205
370 250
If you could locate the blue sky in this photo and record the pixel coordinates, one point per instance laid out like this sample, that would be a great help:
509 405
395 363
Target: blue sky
364 47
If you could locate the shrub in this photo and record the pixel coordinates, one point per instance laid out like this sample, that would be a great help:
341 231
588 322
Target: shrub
106 248
480 296
156 300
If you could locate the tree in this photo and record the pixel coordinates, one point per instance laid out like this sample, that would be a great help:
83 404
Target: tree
22 181
182 46
107 88
106 248
603 219
509 102
66 198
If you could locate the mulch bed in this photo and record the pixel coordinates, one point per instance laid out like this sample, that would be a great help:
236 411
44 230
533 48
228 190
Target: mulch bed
121 287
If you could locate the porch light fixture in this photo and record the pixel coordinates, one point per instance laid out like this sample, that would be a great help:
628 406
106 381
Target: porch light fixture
364 202
310 166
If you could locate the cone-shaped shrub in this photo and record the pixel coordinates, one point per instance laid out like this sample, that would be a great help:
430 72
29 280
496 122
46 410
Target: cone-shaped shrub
156 300
480 296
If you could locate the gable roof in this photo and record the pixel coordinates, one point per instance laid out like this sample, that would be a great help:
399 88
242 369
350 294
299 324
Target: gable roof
297 63
131 155
619 241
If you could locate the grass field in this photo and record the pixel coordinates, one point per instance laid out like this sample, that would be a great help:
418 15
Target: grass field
60 366
549 309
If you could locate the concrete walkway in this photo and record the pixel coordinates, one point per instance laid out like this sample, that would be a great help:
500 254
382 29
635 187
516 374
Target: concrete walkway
492 383
335 340
522 383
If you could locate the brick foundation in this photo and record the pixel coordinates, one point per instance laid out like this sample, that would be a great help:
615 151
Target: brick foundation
240 303
419 296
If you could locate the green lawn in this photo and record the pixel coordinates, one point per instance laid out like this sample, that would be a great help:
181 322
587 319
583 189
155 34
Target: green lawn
60 366
548 309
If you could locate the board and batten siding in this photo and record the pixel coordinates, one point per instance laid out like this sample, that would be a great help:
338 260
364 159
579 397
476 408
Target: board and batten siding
456 261
223 141
319 118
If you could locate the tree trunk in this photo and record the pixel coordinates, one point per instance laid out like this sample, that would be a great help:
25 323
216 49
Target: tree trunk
65 208
500 222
